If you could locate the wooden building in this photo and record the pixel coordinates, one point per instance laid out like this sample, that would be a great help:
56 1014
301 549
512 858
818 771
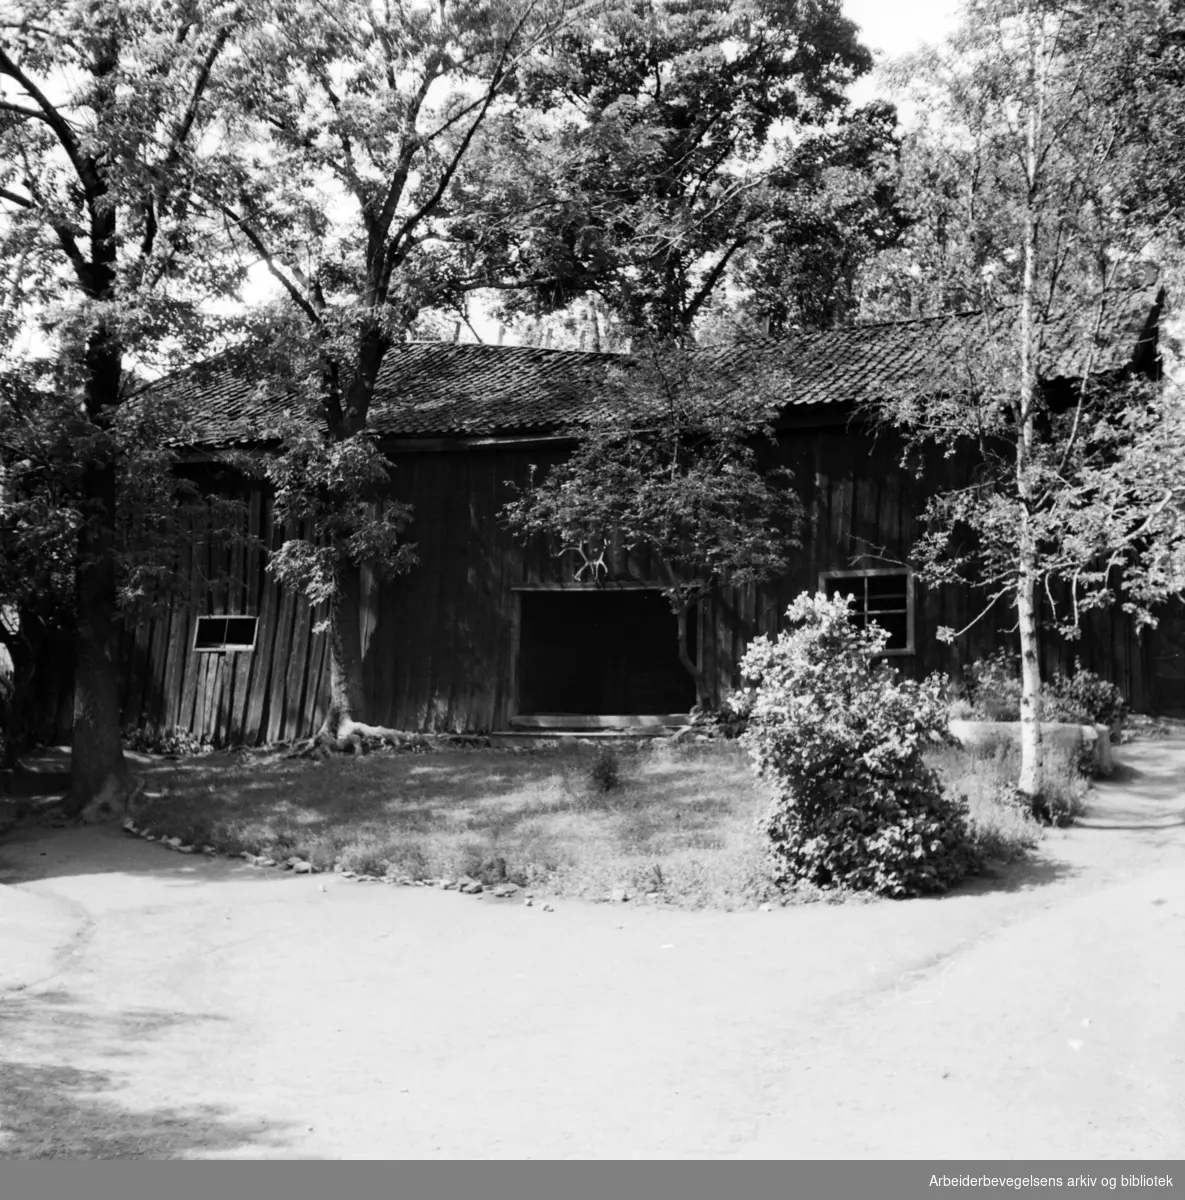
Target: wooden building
487 634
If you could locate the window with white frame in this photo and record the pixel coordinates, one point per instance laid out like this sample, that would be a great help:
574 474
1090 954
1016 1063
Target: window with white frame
881 597
217 635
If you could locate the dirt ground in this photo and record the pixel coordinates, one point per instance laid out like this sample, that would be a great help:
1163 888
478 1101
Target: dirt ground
154 1005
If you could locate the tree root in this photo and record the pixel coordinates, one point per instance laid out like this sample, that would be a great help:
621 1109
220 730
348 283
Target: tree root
354 737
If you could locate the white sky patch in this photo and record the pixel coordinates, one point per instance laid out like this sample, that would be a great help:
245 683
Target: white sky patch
892 28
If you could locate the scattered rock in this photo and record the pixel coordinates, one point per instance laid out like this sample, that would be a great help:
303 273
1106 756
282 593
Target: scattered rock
183 849
209 850
448 884
404 880
472 888
289 863
264 861
765 907
619 895
302 868
548 908
506 889
128 825
246 856
148 837
175 842
529 902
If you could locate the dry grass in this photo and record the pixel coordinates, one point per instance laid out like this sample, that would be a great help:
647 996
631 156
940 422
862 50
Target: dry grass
986 777
679 823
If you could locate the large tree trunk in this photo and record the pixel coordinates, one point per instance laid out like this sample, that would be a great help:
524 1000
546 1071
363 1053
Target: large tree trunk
97 763
346 696
343 728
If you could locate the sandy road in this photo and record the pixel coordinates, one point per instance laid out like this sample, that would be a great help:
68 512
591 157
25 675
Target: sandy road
174 1007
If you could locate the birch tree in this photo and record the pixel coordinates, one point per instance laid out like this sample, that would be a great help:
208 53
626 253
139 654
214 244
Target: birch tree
1058 127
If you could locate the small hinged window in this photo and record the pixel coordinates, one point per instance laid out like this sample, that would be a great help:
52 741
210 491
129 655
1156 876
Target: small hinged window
882 597
219 634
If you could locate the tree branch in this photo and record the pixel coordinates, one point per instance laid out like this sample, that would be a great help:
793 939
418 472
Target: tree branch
261 248
61 127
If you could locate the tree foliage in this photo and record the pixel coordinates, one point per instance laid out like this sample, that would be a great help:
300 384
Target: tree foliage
355 123
110 118
666 463
652 145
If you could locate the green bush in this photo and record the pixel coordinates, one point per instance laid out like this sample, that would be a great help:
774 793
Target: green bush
1082 698
840 740
175 742
604 772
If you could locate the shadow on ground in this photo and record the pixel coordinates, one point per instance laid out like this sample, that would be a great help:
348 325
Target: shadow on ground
1025 875
57 1110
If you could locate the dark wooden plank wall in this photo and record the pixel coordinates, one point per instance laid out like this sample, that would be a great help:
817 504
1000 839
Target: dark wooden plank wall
438 641
269 694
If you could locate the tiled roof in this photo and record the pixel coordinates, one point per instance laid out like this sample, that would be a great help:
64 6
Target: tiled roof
441 389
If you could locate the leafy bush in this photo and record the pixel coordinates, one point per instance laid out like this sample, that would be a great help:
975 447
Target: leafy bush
604 772
1083 698
840 738
994 687
175 742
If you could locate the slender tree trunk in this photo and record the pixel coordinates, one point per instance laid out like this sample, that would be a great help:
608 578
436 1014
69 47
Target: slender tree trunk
702 698
1031 769
1031 773
96 759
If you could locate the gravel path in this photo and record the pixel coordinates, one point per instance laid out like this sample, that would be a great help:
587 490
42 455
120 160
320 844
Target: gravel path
166 1006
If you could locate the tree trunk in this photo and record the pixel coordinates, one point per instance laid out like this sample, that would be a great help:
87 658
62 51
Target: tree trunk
96 759
1031 773
1031 767
346 697
702 698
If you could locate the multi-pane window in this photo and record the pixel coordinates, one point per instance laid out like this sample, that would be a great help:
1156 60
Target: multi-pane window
219 634
883 597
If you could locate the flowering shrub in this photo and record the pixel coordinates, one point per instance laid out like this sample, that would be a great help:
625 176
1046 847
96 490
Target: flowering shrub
840 739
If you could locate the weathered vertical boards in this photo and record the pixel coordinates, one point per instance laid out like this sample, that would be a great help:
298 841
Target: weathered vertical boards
441 639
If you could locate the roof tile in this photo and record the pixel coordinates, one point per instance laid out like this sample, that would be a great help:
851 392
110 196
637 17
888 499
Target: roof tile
444 389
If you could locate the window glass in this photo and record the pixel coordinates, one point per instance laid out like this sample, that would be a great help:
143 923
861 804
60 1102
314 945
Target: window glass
225 633
882 598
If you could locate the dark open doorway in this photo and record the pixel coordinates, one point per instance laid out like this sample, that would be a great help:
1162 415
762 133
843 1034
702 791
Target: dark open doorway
601 652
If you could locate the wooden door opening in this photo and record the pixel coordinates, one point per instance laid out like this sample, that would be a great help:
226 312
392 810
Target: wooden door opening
599 653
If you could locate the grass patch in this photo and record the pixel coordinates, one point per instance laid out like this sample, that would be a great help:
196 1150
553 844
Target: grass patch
986 776
678 823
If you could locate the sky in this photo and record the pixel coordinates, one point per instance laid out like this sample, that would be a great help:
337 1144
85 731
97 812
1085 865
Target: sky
891 28
898 26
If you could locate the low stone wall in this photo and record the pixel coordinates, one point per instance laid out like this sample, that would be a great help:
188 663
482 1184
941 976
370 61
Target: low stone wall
1072 737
